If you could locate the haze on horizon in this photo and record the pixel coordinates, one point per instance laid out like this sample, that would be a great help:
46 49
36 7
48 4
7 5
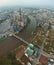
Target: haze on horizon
49 3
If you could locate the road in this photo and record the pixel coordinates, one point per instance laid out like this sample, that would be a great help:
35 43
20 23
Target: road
24 36
20 38
41 48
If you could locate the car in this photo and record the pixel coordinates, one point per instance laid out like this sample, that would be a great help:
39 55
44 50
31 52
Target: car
51 60
49 63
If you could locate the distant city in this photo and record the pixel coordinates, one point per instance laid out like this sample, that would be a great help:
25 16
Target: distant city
26 36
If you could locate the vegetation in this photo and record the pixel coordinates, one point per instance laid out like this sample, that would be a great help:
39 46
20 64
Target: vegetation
2 38
50 40
39 35
28 19
9 59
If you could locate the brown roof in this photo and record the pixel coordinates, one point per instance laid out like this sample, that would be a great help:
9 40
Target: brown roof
43 60
20 52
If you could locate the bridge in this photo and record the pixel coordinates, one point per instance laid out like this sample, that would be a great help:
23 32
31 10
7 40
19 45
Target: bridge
27 43
20 39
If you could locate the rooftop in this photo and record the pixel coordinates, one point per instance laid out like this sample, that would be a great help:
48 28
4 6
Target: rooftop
43 60
20 51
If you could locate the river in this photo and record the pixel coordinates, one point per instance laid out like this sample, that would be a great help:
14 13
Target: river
26 34
11 43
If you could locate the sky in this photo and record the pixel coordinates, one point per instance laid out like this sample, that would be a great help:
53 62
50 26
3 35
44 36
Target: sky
27 2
